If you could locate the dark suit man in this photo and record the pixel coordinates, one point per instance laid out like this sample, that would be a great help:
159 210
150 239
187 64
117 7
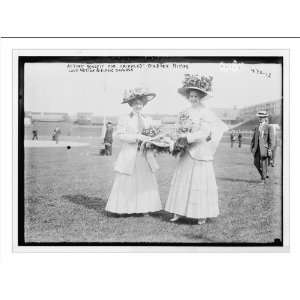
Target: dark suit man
35 134
240 137
108 139
262 144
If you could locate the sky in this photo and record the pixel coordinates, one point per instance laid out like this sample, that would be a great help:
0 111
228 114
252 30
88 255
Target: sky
59 87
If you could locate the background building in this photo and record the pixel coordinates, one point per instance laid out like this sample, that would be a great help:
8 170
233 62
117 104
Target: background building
228 115
272 107
47 117
97 120
84 118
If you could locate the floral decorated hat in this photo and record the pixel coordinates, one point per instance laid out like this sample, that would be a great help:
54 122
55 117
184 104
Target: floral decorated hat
194 82
137 93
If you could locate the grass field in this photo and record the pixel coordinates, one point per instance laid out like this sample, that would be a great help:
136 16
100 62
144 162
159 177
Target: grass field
66 192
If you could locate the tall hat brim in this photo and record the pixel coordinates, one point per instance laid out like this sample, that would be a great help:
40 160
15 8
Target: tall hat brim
144 97
184 91
262 114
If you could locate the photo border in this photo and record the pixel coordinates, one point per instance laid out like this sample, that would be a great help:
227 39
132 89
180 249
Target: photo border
18 80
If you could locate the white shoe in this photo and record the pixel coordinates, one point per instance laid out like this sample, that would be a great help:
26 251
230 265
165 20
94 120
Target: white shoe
201 222
175 218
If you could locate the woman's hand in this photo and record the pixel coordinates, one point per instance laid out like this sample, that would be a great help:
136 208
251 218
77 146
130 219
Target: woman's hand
181 142
182 135
143 138
208 138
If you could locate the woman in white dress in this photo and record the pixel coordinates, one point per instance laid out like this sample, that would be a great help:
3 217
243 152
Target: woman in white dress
135 188
193 192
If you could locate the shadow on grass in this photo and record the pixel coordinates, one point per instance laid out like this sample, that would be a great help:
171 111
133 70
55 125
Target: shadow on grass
198 238
162 215
241 164
238 180
166 216
98 204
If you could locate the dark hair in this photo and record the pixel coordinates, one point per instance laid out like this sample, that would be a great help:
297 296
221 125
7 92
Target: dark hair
200 93
140 98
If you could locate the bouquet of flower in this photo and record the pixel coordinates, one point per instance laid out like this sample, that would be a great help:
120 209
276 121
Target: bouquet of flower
184 125
180 146
158 141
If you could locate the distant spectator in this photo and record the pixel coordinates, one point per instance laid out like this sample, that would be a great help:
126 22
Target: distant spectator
35 134
240 137
232 138
56 134
108 139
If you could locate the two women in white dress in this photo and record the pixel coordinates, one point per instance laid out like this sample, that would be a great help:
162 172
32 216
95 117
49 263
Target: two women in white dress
193 192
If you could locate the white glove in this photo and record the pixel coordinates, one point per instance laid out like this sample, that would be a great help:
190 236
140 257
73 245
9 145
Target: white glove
145 138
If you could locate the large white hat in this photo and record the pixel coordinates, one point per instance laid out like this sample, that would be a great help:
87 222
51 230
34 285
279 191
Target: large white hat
194 82
138 93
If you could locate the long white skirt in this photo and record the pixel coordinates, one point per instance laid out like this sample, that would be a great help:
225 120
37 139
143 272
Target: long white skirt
193 192
136 193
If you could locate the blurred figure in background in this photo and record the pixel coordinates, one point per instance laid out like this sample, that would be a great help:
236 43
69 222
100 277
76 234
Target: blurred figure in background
35 134
108 139
232 138
56 134
240 137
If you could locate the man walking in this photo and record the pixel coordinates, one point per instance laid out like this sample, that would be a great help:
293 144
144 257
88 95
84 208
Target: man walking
262 144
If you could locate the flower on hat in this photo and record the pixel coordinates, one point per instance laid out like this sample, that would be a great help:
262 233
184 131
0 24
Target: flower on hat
204 82
131 94
136 92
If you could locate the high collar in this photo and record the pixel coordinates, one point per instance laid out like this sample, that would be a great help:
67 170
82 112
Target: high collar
133 113
200 106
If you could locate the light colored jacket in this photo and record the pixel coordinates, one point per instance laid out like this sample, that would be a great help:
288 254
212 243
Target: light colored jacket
127 132
205 124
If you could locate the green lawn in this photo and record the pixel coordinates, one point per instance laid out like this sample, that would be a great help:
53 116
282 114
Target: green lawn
66 192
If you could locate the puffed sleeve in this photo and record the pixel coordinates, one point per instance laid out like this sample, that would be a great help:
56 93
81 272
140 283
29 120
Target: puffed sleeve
122 132
217 127
210 125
